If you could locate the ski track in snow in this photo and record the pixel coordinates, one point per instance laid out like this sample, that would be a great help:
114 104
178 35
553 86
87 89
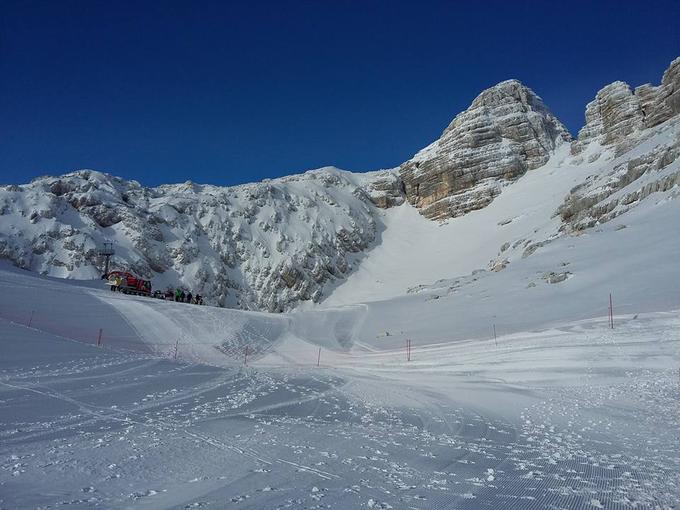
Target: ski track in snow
108 429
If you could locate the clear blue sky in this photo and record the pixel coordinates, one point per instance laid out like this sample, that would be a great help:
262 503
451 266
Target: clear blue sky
225 93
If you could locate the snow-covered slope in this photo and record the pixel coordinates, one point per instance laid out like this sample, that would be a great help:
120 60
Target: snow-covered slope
564 203
259 246
190 407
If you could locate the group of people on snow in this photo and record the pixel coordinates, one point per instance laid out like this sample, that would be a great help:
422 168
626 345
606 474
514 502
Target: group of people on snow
183 297
128 283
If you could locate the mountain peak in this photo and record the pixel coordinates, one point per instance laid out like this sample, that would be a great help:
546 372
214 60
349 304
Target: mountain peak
617 111
508 91
506 131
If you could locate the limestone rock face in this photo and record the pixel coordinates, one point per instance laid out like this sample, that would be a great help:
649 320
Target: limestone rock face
617 112
663 102
505 132
614 114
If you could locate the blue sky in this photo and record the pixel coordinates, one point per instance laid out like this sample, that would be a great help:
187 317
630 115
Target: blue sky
226 93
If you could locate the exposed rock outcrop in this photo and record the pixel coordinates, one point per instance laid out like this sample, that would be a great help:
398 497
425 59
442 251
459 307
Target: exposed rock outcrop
661 103
603 197
553 277
610 118
506 131
617 112
384 188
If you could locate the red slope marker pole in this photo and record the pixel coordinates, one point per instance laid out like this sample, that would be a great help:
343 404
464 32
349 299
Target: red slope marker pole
99 338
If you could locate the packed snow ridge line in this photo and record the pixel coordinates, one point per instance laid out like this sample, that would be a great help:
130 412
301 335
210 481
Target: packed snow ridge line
272 245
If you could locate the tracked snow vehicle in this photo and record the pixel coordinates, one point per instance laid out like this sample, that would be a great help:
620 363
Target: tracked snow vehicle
128 283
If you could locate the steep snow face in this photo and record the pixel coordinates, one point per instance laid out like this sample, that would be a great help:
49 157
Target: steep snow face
506 131
260 246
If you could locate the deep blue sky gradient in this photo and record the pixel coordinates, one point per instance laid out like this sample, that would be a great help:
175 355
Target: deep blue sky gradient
225 93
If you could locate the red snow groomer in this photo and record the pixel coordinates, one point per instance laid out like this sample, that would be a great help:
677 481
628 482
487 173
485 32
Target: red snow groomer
128 283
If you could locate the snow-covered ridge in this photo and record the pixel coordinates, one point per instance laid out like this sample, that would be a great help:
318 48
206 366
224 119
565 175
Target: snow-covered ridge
257 246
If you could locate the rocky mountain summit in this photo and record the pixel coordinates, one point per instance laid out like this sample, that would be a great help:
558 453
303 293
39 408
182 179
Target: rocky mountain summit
621 120
617 111
506 131
272 245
